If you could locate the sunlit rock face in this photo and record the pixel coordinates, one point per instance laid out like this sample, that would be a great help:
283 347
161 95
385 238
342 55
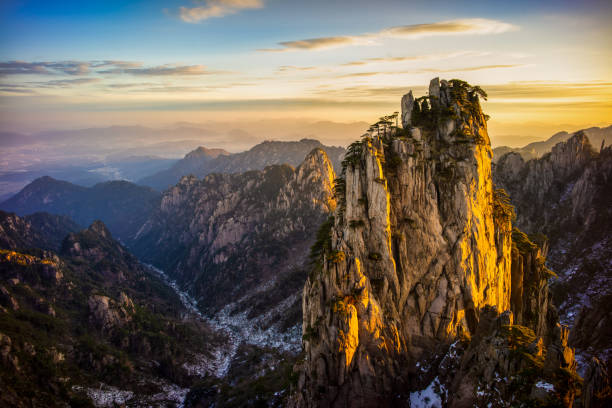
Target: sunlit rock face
420 244
421 252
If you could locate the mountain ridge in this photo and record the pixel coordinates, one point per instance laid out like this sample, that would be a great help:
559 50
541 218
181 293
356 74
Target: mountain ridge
256 158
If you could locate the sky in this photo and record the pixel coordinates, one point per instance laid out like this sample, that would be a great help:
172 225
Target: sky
546 65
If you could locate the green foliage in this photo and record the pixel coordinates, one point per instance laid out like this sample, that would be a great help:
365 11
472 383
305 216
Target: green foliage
322 244
503 210
353 154
393 162
410 222
356 223
310 333
518 336
337 256
340 195
374 256
521 241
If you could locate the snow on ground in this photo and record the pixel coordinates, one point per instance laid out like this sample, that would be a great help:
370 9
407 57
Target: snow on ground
106 396
545 386
429 397
239 329
170 392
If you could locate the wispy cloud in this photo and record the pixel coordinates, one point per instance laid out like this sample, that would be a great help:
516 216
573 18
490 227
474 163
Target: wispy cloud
162 70
15 89
409 58
83 68
290 68
58 67
216 8
513 92
430 70
66 83
474 26
43 68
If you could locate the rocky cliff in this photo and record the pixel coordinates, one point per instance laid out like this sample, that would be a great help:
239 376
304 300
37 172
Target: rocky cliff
565 196
420 245
234 238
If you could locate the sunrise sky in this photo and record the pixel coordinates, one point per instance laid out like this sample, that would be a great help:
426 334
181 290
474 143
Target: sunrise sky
547 65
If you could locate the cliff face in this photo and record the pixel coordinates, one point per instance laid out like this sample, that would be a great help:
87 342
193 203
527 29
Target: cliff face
420 244
230 236
565 195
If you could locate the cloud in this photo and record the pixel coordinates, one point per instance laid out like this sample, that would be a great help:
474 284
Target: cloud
289 68
81 68
162 70
66 83
31 87
424 57
532 92
474 26
430 70
470 69
44 68
216 8
14 88
313 44
58 67
471 26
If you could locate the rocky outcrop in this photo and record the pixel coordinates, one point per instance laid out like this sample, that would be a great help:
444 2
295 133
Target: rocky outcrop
508 364
107 314
419 246
407 105
229 238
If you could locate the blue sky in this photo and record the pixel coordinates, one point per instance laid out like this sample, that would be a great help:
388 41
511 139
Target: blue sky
195 60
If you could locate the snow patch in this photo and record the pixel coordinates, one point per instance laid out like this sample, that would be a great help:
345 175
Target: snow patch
428 398
545 386
106 396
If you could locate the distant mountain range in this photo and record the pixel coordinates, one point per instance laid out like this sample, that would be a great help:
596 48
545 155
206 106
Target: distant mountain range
202 161
124 206
537 149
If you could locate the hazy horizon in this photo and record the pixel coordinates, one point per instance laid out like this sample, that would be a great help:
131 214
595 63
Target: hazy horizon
75 65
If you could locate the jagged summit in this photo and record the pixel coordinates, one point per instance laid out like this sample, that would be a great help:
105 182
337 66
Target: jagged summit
419 246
